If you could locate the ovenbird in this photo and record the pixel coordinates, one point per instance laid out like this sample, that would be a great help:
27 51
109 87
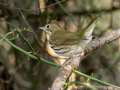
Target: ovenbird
57 40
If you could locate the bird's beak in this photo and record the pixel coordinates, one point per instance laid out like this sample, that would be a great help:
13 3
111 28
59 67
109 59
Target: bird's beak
42 28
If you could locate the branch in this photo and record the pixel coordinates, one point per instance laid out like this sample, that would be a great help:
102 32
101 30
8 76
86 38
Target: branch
97 88
78 55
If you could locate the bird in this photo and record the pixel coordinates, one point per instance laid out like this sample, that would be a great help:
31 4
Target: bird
58 41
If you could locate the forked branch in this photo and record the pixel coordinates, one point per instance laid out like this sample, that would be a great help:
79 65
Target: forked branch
78 55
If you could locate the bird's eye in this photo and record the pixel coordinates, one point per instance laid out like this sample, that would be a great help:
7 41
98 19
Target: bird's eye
48 26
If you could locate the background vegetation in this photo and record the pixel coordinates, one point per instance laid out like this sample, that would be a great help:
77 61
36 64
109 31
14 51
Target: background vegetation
23 63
